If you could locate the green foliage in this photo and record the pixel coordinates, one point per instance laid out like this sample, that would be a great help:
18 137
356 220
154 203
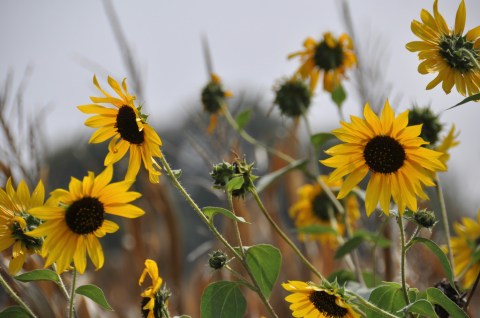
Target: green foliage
264 262
339 95
210 212
268 179
14 312
317 229
422 307
475 97
38 275
94 293
235 183
243 118
436 297
358 238
343 276
318 140
389 297
223 299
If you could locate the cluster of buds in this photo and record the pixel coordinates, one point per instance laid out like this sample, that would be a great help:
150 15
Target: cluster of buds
236 178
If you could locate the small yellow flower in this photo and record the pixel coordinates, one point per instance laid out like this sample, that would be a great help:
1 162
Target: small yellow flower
75 219
454 56
308 300
314 207
213 99
330 56
15 221
393 154
150 294
465 245
128 129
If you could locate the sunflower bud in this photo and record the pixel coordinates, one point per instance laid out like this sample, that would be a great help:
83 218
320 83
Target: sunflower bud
236 177
218 259
431 125
293 98
213 95
425 218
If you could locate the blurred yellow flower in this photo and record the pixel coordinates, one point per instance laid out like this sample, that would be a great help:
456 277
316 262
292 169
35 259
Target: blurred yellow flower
127 128
448 142
213 99
330 56
453 55
150 294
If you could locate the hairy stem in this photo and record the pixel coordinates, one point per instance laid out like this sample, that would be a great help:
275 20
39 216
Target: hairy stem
15 297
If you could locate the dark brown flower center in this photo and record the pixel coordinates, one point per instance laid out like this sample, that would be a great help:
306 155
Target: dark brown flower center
84 216
321 206
384 154
458 52
325 303
328 58
127 125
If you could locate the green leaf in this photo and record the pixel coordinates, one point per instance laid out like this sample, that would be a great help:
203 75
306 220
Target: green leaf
390 298
422 307
177 173
14 312
264 262
339 95
466 100
342 276
223 299
373 237
38 275
268 179
210 212
94 293
318 140
440 255
317 229
243 118
358 238
235 183
435 296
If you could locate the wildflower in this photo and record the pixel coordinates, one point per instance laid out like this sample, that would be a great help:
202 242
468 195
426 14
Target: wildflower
237 177
213 98
431 125
453 55
331 56
425 218
308 300
293 98
465 248
75 219
15 221
128 129
314 207
217 259
388 149
154 299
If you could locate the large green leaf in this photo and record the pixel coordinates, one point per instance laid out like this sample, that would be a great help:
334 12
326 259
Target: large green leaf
264 262
94 293
389 297
440 255
14 312
435 296
422 307
223 300
266 180
38 275
210 212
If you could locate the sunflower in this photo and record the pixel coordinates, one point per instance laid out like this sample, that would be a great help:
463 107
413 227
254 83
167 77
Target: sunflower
466 250
453 55
75 219
213 99
314 207
448 142
331 56
308 300
15 221
127 128
154 299
391 151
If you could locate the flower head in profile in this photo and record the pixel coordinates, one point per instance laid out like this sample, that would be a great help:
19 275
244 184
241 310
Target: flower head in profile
391 151
292 97
466 249
454 56
154 299
15 221
127 128
431 126
315 208
75 219
309 300
330 56
213 99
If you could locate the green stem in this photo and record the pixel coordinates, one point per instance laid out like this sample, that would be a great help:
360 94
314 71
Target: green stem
240 277
235 223
252 140
61 283
414 235
403 259
284 236
446 225
15 297
209 223
372 307
71 307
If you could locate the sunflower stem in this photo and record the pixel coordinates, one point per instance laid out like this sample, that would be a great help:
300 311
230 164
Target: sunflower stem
15 297
403 259
240 277
61 283
284 236
472 291
446 225
414 235
212 227
235 223
372 307
71 307
252 140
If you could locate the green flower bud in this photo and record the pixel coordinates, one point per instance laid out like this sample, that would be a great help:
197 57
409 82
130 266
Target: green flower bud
293 98
217 260
425 218
236 178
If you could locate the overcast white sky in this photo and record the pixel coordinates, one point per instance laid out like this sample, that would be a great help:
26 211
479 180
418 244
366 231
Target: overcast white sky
249 41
